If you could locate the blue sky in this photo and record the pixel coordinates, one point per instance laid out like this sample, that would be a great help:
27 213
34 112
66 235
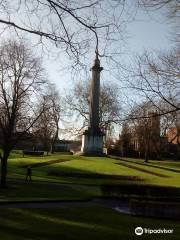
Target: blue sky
146 32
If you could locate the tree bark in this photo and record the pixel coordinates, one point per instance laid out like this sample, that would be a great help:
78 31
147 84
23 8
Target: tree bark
178 151
54 140
146 157
4 159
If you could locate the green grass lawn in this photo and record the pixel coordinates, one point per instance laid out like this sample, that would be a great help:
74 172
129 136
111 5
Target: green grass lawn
91 165
74 187
76 164
78 223
172 164
21 191
165 167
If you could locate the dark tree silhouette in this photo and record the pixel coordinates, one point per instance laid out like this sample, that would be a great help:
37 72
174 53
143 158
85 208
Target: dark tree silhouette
20 79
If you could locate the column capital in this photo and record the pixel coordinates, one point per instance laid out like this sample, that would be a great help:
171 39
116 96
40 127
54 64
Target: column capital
96 64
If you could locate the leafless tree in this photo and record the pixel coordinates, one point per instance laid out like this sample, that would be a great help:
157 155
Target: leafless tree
178 136
78 102
71 25
43 129
171 9
20 79
172 122
125 139
47 126
148 129
145 125
172 5
57 111
157 79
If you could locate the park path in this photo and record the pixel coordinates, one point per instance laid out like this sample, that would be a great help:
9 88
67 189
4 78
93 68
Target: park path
117 205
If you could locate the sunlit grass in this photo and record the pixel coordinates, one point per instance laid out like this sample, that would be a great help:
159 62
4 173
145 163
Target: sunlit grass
71 187
95 165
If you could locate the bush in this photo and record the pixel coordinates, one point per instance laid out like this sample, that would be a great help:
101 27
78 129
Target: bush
141 191
33 153
155 209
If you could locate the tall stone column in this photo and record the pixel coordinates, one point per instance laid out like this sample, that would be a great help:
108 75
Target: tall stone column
92 140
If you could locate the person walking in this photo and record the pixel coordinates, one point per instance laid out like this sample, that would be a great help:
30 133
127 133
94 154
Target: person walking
29 174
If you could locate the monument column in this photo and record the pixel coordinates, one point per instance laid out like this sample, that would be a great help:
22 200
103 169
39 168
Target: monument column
92 140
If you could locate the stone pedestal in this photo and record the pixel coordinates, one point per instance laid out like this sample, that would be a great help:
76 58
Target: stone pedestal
92 143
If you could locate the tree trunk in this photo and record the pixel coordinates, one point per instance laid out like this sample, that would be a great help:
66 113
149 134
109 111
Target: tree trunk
178 151
4 159
146 151
146 157
178 141
54 140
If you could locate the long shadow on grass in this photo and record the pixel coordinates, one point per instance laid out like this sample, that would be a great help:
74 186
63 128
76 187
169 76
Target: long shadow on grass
22 191
67 171
147 164
41 164
55 169
93 175
143 170
71 224
64 225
